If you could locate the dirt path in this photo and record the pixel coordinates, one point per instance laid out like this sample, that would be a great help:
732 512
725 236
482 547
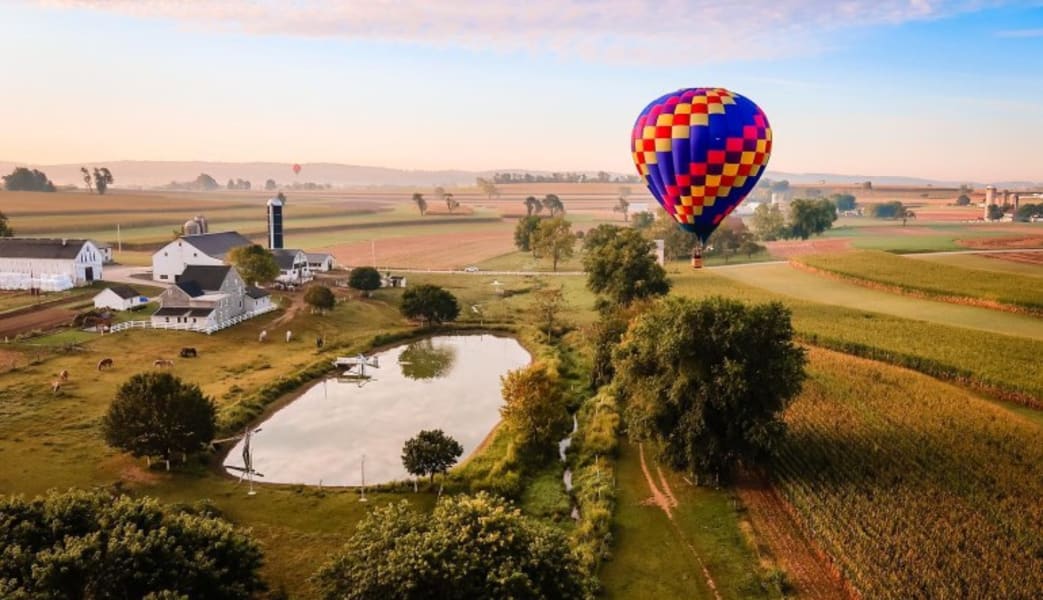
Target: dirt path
807 569
43 319
666 501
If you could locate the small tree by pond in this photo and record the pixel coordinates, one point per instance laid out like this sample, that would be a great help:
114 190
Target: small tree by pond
430 452
430 304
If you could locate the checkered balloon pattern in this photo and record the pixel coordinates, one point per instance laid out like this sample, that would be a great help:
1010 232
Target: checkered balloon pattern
700 151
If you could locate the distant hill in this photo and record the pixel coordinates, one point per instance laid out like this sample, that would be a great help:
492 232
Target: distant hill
147 174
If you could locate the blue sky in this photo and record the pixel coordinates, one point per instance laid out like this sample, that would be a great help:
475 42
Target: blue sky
947 90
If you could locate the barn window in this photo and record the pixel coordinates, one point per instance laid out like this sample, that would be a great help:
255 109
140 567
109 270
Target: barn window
167 319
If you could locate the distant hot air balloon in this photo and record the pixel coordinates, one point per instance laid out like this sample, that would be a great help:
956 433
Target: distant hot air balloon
700 151
296 169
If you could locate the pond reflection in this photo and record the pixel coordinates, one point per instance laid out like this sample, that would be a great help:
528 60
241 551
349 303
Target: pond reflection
424 359
451 383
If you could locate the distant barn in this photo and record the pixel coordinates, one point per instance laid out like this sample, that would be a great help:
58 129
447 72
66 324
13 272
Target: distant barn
48 265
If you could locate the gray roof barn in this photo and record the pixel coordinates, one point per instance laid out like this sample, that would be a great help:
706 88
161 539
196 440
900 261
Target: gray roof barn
217 244
40 248
256 292
284 257
206 277
124 291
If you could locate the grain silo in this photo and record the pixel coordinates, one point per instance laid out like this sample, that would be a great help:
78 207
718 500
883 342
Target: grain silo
275 206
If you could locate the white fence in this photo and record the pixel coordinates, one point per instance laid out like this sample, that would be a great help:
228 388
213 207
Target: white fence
207 329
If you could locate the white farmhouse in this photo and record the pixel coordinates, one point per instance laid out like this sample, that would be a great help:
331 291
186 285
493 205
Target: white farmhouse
207 298
119 297
203 249
49 265
293 266
320 262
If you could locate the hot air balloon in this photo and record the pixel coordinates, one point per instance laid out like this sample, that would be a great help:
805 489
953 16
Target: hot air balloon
700 151
296 169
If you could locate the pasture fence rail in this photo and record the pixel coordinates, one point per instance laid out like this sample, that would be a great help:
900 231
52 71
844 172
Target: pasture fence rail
207 329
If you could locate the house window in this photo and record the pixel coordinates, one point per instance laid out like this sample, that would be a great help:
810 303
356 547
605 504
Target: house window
162 276
164 254
195 254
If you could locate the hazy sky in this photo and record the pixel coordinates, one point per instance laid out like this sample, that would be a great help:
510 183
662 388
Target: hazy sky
950 90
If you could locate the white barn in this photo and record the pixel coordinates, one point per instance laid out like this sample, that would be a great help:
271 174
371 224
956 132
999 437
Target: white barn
50 265
120 297
203 249
320 262
293 266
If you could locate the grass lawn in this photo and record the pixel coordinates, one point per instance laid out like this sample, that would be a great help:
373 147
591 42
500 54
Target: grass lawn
931 279
784 279
654 556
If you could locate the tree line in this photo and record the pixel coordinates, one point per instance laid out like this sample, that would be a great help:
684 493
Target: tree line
563 177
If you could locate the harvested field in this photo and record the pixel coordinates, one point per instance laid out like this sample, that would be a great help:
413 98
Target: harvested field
43 319
1029 258
434 251
788 248
1029 241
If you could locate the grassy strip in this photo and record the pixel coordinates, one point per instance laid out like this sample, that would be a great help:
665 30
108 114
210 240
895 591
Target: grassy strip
932 280
593 458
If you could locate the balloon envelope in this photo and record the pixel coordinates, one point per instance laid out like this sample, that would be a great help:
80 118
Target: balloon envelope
296 169
700 151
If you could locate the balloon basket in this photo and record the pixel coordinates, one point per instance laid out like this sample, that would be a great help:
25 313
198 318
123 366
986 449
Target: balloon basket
697 260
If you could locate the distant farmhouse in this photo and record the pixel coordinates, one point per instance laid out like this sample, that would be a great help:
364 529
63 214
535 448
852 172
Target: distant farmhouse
207 298
49 265
201 249
120 297
320 262
293 264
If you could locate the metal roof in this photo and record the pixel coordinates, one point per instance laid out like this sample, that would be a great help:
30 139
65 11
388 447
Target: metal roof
256 292
285 257
206 277
44 248
217 244
124 291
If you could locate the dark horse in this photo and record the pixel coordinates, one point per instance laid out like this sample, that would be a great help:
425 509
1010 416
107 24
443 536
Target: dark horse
189 353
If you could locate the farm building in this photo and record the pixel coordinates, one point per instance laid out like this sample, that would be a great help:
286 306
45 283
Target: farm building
207 298
201 249
106 251
49 265
320 262
392 281
293 266
120 297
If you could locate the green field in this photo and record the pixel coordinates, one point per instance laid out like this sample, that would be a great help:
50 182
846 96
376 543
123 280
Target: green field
931 279
786 280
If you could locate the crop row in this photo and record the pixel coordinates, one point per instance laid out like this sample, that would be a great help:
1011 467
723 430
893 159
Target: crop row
915 488
936 280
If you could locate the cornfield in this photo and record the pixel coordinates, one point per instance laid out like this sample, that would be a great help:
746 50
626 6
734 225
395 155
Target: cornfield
917 489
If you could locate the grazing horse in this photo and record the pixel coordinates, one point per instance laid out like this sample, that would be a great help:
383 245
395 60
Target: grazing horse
263 336
319 342
56 386
64 375
163 362
289 335
105 363
189 353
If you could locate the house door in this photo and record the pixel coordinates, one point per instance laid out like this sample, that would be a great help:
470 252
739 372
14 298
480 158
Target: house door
89 273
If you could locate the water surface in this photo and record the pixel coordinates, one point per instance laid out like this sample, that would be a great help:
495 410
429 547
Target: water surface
450 383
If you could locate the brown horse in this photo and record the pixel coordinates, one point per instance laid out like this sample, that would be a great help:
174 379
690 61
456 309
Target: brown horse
56 386
163 362
64 375
105 363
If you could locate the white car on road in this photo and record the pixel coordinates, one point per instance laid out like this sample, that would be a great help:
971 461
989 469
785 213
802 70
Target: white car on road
471 269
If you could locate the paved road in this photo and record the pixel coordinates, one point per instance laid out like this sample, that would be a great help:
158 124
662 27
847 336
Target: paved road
125 274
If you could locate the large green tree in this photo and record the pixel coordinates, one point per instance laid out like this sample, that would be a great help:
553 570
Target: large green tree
811 217
554 239
25 180
843 201
255 263
430 304
768 223
620 264
364 279
524 231
158 415
93 545
707 381
554 205
102 179
5 229
534 406
430 452
320 297
469 547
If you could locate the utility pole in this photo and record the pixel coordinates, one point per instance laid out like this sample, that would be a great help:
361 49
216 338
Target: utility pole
363 498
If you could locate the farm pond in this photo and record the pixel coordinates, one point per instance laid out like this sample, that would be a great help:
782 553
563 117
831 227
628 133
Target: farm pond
450 383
